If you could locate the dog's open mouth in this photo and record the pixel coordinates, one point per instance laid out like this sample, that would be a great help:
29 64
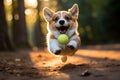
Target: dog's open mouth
62 29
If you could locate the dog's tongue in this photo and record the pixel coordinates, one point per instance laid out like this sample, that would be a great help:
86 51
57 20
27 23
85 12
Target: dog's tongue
62 31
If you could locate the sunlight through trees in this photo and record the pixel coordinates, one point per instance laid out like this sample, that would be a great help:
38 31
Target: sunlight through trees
94 27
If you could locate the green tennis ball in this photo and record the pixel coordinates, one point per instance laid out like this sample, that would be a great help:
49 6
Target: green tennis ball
63 39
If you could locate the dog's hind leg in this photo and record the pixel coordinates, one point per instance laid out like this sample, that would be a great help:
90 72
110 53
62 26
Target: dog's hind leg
63 58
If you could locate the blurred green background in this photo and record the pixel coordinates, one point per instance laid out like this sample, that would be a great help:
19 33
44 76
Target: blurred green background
22 24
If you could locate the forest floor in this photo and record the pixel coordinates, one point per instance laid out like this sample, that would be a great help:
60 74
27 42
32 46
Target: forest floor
101 62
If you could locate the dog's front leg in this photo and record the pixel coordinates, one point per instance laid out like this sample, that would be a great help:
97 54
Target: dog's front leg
54 47
74 43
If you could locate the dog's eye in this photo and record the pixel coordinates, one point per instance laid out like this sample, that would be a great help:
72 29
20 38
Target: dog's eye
67 17
56 19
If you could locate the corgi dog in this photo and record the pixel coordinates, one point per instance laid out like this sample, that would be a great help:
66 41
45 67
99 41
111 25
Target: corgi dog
62 22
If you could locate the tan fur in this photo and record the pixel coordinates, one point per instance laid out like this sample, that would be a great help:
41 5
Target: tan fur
70 18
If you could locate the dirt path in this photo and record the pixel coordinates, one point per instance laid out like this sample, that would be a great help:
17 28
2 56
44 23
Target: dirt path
89 63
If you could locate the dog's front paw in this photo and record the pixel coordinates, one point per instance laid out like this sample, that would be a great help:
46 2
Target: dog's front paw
57 52
71 47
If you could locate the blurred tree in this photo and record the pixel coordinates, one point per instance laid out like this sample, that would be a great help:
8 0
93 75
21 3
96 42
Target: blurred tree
20 37
111 20
5 43
39 36
15 22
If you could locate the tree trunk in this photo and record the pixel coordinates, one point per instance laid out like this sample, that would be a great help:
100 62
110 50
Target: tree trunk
15 23
5 43
39 36
20 36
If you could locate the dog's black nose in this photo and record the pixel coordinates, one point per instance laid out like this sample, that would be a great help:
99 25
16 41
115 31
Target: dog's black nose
61 22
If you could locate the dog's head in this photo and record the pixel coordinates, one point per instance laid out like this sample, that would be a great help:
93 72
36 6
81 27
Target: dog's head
61 22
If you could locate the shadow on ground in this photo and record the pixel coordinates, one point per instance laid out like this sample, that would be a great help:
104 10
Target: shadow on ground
87 64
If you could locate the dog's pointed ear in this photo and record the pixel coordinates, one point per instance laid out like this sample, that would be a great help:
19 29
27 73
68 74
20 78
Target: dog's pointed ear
74 11
48 13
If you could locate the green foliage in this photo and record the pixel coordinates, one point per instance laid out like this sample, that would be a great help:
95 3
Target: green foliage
98 20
